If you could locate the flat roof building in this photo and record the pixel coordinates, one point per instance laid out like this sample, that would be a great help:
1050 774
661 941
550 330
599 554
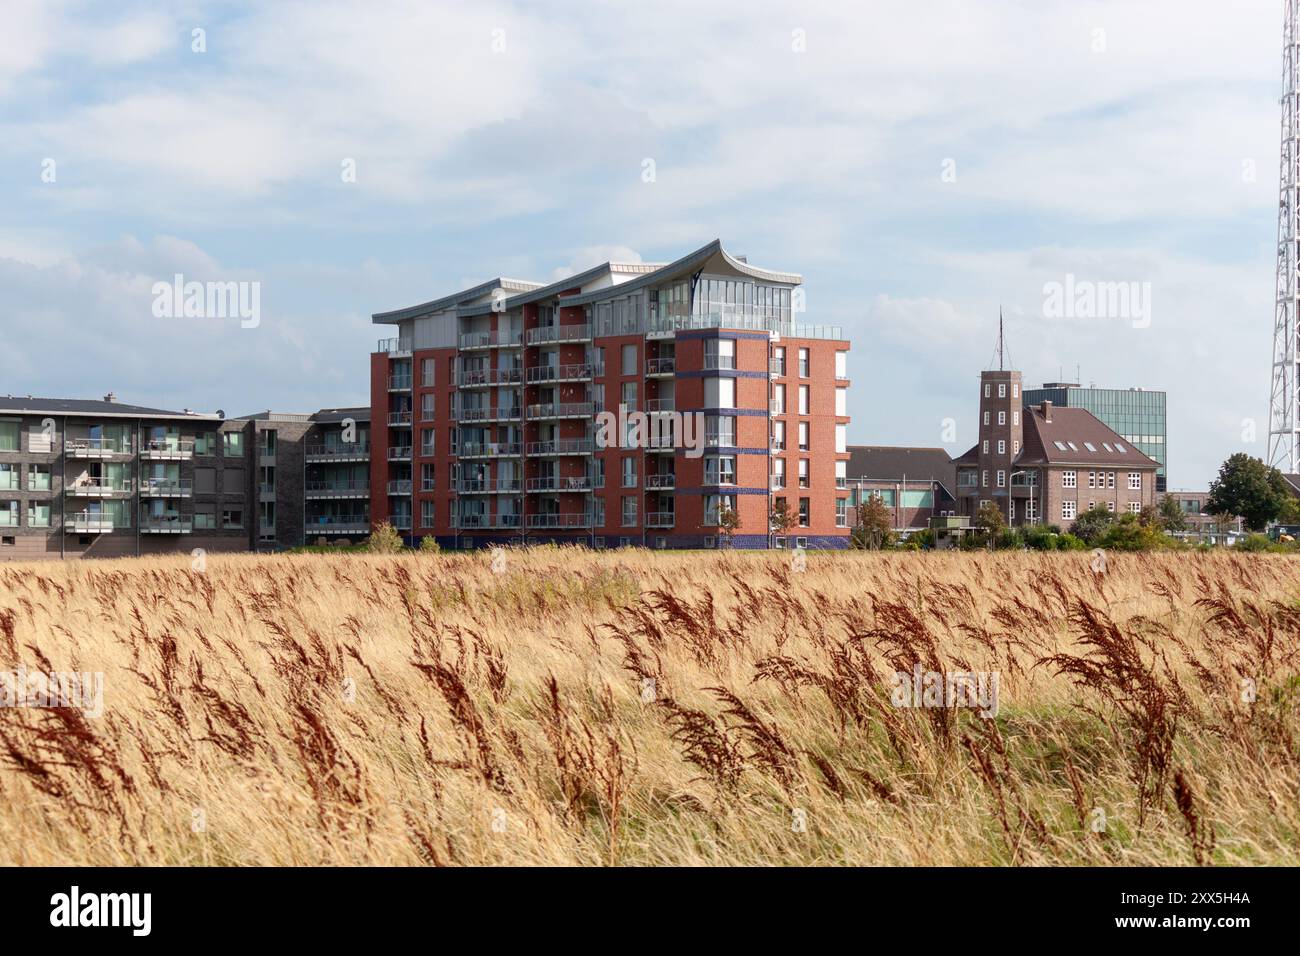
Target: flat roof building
916 484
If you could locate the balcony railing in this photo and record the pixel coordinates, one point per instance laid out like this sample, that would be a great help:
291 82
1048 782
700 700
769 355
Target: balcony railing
664 482
336 524
487 414
399 419
340 452
562 446
167 448
489 376
96 447
661 366
490 450
488 486
504 338
579 372
400 487
399 453
99 487
776 366
660 519
660 404
559 333
166 487
394 346
166 524
337 489
562 410
93 522
727 316
560 521
719 362
399 383
400 522
560 484
8 519
486 521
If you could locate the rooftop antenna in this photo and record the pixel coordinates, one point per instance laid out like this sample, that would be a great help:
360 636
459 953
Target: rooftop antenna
1001 366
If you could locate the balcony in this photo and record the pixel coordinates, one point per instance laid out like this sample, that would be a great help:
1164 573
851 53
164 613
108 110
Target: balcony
559 333
400 487
488 486
777 445
490 450
490 340
166 524
561 446
399 419
92 522
660 366
662 482
96 447
560 521
399 453
167 449
660 404
166 487
343 451
98 488
560 485
562 410
400 522
776 367
336 489
486 522
510 414
484 378
660 519
336 524
776 407
399 383
581 372
395 346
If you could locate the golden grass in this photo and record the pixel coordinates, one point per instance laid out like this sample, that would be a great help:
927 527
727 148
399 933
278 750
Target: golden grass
654 708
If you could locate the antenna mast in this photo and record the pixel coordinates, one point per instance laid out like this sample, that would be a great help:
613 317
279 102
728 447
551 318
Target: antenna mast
1283 426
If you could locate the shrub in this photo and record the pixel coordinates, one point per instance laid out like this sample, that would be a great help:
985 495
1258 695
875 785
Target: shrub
384 540
429 544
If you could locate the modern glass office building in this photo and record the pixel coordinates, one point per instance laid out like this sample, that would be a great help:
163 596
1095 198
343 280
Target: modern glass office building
1135 413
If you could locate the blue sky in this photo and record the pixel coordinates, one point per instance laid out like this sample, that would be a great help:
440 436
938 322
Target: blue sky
1114 141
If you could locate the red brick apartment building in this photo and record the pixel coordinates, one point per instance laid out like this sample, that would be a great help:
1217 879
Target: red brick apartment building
488 424
1047 465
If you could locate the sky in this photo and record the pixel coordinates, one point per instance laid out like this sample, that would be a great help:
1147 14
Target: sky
924 164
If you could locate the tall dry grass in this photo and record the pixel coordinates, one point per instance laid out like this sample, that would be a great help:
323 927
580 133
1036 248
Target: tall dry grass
654 708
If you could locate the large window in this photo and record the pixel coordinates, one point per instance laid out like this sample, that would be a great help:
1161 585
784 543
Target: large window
720 353
233 443
719 393
842 402
720 431
9 436
803 399
720 470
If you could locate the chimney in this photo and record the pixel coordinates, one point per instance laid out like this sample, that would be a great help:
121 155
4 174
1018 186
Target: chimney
110 397
1047 411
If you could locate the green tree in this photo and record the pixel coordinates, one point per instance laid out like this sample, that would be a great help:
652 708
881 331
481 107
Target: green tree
780 520
1171 514
429 544
384 539
989 520
1092 524
1248 487
874 524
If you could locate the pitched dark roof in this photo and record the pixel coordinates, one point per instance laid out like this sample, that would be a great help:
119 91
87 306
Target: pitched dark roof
338 414
13 405
1080 428
893 463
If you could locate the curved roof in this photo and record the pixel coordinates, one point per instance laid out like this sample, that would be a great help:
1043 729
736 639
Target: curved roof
456 298
568 282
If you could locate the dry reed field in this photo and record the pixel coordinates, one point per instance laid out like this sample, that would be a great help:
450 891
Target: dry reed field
636 708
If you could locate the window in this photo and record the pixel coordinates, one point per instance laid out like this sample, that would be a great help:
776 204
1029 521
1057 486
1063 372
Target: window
803 363
427 406
1002 418
804 504
9 514
1110 506
988 389
428 477
1011 509
1015 418
841 365
720 431
778 472
1031 509
1069 479
1002 389
778 360
232 518
984 478
8 477
803 399
38 514
720 353
426 513
841 512
1068 509
720 471
428 370
629 360
1110 479
1015 448
803 473
1002 447
266 441
1092 479
841 474
713 506
803 436
38 477
629 471
719 393
1135 507
1015 391
778 435
841 439
841 401
986 446
232 443
1135 480
9 436
1002 479
205 443
778 400
986 418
